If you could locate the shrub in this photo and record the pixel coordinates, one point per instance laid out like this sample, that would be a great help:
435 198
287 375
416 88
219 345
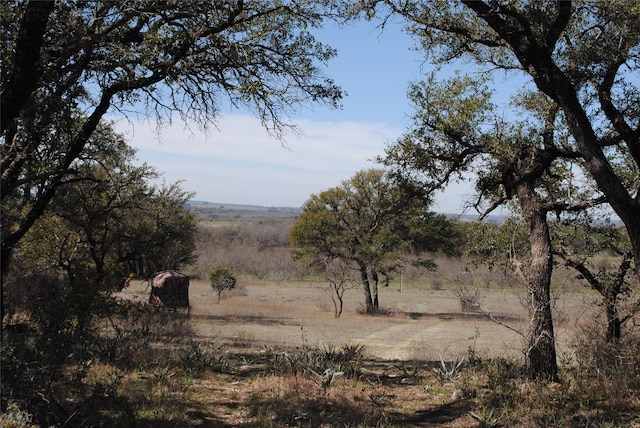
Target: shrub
469 301
222 279
16 418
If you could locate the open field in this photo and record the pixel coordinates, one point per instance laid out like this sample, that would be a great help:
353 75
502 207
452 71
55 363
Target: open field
271 354
271 342
421 324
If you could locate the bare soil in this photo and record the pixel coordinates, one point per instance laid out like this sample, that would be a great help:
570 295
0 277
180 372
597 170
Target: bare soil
418 323
419 327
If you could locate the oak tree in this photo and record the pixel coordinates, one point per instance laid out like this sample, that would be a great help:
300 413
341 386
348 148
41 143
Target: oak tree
523 163
567 51
92 236
368 223
106 224
65 65
583 56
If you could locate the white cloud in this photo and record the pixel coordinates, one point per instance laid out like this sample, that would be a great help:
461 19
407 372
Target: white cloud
239 162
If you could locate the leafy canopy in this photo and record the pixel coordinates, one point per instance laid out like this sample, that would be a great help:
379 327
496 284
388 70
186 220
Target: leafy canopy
68 64
370 220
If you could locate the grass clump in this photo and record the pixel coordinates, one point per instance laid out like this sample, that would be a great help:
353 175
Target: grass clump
600 387
280 402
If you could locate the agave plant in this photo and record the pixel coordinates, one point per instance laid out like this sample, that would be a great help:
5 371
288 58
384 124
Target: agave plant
449 373
327 378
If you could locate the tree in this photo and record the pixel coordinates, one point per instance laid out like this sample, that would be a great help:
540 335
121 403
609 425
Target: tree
99 224
65 65
222 279
457 130
554 44
578 240
581 55
99 227
339 277
164 233
368 223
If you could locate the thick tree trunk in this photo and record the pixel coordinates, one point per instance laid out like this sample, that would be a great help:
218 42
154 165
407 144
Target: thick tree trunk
540 354
23 78
368 300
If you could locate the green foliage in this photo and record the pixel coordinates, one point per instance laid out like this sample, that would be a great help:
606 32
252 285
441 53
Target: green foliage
86 60
497 246
111 222
221 278
370 223
14 417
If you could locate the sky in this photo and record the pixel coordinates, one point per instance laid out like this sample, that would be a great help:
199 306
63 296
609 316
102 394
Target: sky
240 163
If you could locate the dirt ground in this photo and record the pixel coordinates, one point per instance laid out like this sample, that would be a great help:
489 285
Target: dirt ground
421 324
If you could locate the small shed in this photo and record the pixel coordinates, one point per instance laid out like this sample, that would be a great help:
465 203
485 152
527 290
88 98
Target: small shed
169 288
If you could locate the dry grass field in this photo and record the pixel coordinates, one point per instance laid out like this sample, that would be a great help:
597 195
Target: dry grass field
419 323
272 354
266 345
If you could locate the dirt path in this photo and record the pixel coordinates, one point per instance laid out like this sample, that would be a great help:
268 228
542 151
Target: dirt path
434 337
422 324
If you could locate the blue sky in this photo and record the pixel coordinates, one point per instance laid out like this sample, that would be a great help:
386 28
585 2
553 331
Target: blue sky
240 163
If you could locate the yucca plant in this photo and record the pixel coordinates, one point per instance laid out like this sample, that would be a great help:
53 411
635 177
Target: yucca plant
327 379
408 372
194 358
488 421
449 373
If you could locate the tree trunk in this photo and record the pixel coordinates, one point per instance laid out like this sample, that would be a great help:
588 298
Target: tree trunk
369 307
613 321
340 306
374 278
540 354
23 79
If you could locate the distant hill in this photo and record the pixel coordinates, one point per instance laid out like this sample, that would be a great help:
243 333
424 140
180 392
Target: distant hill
216 210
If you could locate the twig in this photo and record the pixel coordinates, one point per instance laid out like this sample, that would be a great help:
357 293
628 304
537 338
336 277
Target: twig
497 321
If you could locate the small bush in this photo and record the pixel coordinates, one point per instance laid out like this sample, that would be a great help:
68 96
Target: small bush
222 279
469 300
14 417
